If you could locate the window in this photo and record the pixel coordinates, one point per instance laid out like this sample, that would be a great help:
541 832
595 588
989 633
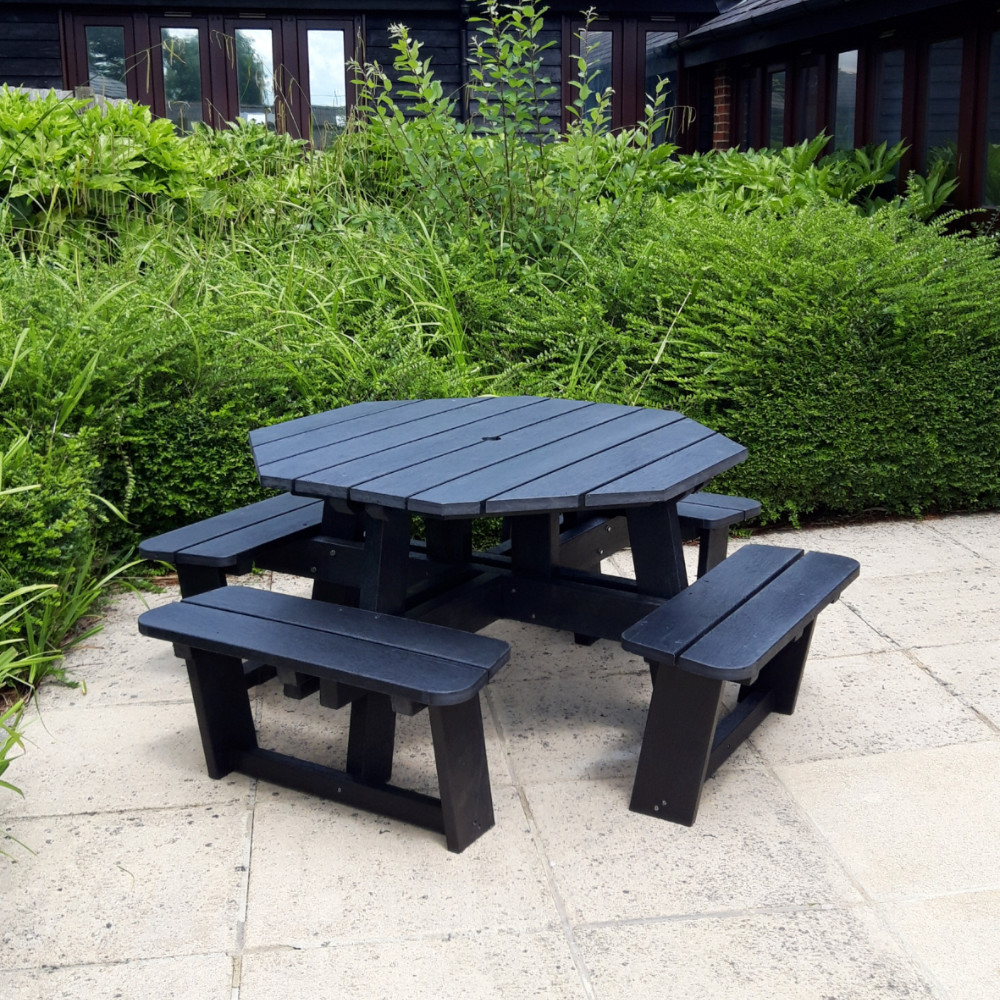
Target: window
888 100
181 75
991 152
806 101
289 75
845 100
775 108
944 86
630 57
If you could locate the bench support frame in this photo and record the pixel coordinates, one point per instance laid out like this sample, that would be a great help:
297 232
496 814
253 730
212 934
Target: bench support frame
464 811
686 741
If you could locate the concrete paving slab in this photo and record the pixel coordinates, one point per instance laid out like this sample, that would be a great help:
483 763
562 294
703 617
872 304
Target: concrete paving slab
116 887
853 706
971 671
845 954
915 823
890 548
955 939
343 875
116 758
847 851
931 609
841 631
487 966
207 977
749 848
977 533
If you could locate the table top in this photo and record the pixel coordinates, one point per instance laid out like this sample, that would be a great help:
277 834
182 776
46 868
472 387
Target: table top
492 455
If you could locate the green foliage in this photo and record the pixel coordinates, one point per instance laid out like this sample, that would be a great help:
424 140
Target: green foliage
161 295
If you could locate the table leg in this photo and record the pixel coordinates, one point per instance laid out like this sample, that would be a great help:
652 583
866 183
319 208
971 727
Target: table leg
383 588
657 552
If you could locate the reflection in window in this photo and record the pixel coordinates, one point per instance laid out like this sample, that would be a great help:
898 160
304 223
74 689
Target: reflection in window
182 75
327 85
776 109
846 100
889 97
807 104
944 86
596 46
991 189
255 75
106 60
746 138
661 63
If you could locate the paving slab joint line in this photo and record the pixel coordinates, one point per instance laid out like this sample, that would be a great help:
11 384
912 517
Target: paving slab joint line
937 990
557 900
885 635
963 545
821 837
914 656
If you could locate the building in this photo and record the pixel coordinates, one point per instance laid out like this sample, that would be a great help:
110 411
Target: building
757 72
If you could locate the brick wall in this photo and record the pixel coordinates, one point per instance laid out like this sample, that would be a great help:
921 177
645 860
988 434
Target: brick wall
722 111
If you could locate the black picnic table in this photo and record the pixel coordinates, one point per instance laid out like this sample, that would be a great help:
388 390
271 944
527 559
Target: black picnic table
573 480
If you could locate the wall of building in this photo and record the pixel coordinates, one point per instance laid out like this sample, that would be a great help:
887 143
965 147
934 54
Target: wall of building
30 54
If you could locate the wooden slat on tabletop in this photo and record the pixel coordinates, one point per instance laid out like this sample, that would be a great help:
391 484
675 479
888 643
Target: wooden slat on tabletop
167 545
448 644
684 470
428 680
315 421
421 426
674 626
338 480
609 459
741 643
456 467
289 450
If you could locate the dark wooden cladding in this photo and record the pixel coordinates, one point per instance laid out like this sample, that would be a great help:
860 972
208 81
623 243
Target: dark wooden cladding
30 52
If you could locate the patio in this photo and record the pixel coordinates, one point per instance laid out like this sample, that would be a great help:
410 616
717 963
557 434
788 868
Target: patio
849 851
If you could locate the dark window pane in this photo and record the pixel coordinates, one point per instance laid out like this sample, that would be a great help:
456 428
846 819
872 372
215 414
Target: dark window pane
846 100
327 85
805 124
661 64
182 75
776 109
106 60
255 75
944 85
889 97
596 45
991 189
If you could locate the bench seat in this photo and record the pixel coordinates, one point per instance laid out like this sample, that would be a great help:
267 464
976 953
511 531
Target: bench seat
749 620
379 664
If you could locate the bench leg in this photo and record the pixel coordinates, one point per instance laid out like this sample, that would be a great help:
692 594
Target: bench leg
371 738
676 745
463 775
199 579
222 706
783 675
713 544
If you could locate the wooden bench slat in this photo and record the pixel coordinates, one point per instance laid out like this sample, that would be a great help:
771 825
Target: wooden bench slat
737 647
221 539
673 627
434 640
711 509
378 666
